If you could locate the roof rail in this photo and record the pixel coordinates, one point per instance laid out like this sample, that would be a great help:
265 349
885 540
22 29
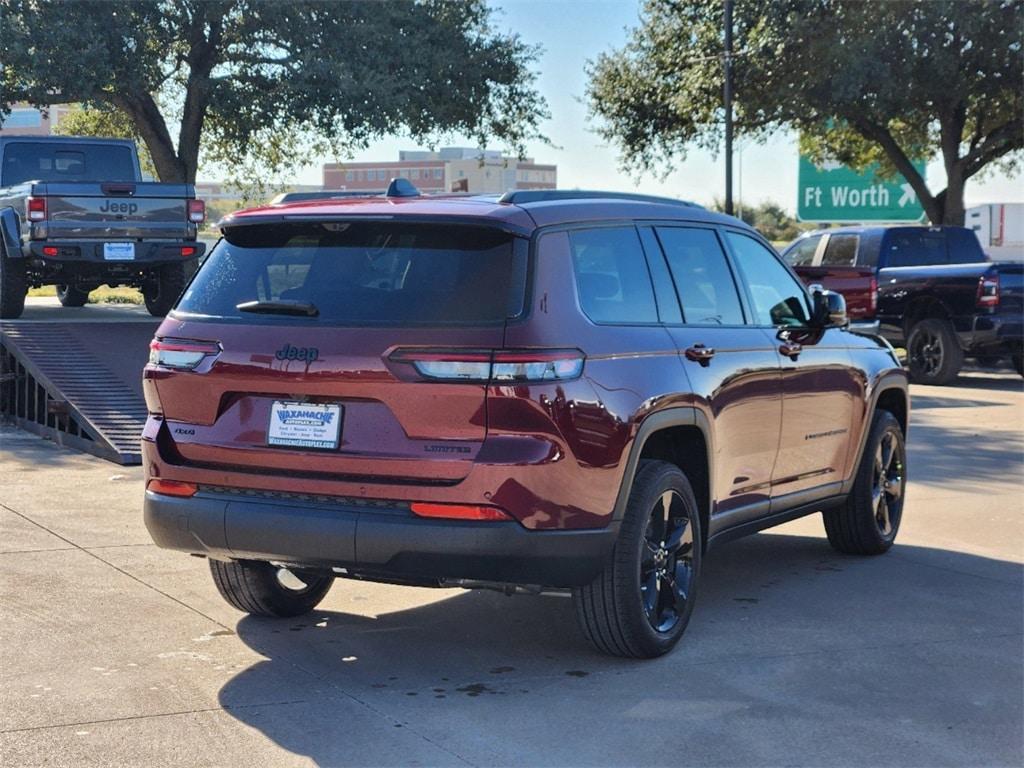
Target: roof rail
400 187
521 196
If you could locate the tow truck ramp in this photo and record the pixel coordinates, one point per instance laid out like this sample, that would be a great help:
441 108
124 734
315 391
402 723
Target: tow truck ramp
77 383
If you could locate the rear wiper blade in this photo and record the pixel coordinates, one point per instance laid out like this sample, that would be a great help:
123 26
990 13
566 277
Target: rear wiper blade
280 307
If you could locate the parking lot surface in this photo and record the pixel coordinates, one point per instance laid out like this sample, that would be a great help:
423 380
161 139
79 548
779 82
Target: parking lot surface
116 653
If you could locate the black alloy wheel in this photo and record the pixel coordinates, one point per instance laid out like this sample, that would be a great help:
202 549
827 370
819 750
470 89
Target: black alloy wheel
666 570
887 487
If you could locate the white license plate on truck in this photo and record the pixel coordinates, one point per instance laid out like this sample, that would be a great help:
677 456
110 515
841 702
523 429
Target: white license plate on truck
119 251
304 425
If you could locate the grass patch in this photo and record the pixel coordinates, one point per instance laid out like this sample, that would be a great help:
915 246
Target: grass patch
102 295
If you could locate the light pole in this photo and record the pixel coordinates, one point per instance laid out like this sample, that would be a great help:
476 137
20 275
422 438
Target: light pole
728 106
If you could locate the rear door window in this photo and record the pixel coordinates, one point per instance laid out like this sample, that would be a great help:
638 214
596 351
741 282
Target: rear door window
802 252
702 277
364 273
916 248
841 251
45 161
611 276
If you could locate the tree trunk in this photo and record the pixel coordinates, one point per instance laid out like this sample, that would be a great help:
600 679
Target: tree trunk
150 123
953 212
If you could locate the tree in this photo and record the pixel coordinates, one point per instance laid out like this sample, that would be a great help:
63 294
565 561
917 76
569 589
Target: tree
862 81
770 219
236 75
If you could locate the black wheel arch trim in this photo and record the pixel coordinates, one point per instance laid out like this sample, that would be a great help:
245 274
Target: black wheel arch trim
10 234
888 382
680 416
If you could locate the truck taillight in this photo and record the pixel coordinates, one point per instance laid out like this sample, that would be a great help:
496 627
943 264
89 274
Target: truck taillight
873 289
988 291
196 211
180 354
497 366
36 208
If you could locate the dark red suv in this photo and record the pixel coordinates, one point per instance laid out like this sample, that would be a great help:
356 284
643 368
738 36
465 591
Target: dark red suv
543 391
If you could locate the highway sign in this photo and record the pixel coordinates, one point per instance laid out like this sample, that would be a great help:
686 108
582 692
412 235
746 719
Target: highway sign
833 192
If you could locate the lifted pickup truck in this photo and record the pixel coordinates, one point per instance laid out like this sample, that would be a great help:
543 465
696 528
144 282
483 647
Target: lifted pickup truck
75 213
930 290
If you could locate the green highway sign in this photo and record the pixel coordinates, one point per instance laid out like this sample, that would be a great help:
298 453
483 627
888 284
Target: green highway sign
833 192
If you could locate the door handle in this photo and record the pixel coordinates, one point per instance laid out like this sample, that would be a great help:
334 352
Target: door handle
700 354
790 349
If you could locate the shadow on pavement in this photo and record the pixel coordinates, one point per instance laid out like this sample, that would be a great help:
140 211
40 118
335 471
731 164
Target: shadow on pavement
764 599
962 458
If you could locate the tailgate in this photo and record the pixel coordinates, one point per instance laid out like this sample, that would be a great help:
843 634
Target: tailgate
272 375
1011 288
136 210
857 285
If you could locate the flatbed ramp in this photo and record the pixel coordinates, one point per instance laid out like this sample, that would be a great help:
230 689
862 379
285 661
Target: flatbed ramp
78 381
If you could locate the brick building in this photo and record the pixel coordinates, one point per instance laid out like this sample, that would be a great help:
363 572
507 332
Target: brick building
26 120
452 169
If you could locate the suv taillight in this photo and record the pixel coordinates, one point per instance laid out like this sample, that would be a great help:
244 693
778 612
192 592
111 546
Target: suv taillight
988 291
196 211
36 208
873 288
180 354
497 366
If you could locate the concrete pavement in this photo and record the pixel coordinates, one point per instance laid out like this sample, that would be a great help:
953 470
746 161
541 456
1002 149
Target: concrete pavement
115 653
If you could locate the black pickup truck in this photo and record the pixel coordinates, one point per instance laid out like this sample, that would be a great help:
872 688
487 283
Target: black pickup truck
75 213
930 290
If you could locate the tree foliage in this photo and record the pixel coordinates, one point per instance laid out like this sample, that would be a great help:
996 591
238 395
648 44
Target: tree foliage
108 123
861 81
266 80
770 219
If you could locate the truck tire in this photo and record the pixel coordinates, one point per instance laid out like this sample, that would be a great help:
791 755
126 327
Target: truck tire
70 296
933 352
262 589
13 286
164 288
869 519
641 603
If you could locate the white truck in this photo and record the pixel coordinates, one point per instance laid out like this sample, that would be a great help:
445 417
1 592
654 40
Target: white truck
1000 229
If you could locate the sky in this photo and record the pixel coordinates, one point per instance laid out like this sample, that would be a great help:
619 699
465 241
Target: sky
571 32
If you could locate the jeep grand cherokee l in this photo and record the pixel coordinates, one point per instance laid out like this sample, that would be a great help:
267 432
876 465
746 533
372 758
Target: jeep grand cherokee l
543 391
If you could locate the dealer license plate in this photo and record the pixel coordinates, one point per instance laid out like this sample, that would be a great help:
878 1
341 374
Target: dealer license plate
304 425
119 251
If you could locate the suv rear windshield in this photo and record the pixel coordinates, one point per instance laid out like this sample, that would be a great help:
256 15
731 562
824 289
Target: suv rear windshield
50 161
364 273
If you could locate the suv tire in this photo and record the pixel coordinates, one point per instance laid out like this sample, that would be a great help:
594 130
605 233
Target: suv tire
13 286
257 588
1018 364
163 289
933 352
70 296
641 603
868 521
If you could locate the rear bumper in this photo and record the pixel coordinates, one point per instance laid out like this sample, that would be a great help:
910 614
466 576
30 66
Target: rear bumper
375 540
994 334
78 252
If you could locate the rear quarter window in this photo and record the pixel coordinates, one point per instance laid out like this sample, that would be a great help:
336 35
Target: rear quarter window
364 273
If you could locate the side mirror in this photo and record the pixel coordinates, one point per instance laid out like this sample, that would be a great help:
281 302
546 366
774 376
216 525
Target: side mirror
829 308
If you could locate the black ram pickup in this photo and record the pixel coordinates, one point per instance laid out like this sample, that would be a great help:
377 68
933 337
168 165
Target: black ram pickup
931 290
76 213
